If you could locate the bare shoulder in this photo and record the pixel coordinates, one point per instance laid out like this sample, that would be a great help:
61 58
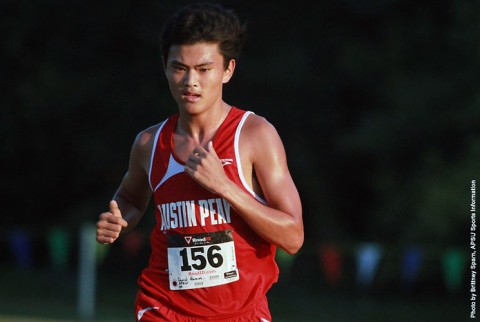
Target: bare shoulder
146 137
143 145
258 128
258 132
256 122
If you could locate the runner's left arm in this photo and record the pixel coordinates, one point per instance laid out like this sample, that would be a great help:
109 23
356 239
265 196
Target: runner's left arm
280 220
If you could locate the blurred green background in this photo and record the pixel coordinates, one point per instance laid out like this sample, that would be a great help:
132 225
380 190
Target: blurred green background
378 104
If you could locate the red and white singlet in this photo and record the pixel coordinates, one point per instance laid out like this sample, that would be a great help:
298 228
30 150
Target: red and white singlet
206 261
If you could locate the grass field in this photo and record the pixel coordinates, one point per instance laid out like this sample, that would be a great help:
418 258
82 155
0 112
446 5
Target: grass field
40 296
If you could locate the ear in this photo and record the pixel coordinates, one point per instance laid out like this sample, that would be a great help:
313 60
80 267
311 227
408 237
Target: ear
228 73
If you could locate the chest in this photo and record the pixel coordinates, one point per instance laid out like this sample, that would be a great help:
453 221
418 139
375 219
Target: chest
227 149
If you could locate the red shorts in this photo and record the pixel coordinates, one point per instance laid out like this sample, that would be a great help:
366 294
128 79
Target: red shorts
150 310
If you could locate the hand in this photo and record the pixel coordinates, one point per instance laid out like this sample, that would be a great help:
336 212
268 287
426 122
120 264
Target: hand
204 166
110 224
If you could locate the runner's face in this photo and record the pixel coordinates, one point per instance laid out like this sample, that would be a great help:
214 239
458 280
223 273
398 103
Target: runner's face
196 74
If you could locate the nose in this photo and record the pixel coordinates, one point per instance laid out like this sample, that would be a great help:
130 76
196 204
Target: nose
190 78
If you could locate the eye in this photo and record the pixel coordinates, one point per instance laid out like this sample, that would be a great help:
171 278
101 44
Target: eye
178 68
204 70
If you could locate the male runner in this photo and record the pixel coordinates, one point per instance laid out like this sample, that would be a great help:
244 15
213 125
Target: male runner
224 198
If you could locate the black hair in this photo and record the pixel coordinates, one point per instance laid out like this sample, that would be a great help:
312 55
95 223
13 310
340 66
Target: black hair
208 23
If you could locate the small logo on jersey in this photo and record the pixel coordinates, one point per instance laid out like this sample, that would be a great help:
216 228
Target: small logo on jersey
142 312
188 239
226 161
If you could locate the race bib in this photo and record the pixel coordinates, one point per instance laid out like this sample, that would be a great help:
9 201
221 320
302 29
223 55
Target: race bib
201 260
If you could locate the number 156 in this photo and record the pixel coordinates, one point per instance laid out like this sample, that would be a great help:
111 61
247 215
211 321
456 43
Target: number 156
198 258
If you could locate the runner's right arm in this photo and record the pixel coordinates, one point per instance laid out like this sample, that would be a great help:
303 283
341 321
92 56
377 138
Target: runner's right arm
133 195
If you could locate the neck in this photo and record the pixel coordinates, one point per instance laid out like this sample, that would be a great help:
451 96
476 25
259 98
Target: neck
202 127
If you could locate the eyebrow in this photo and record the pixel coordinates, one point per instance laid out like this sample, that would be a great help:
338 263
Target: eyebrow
176 62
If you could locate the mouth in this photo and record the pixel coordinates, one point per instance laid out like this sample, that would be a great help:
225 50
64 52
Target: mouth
191 96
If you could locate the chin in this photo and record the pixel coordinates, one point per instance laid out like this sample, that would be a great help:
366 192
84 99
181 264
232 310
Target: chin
193 109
